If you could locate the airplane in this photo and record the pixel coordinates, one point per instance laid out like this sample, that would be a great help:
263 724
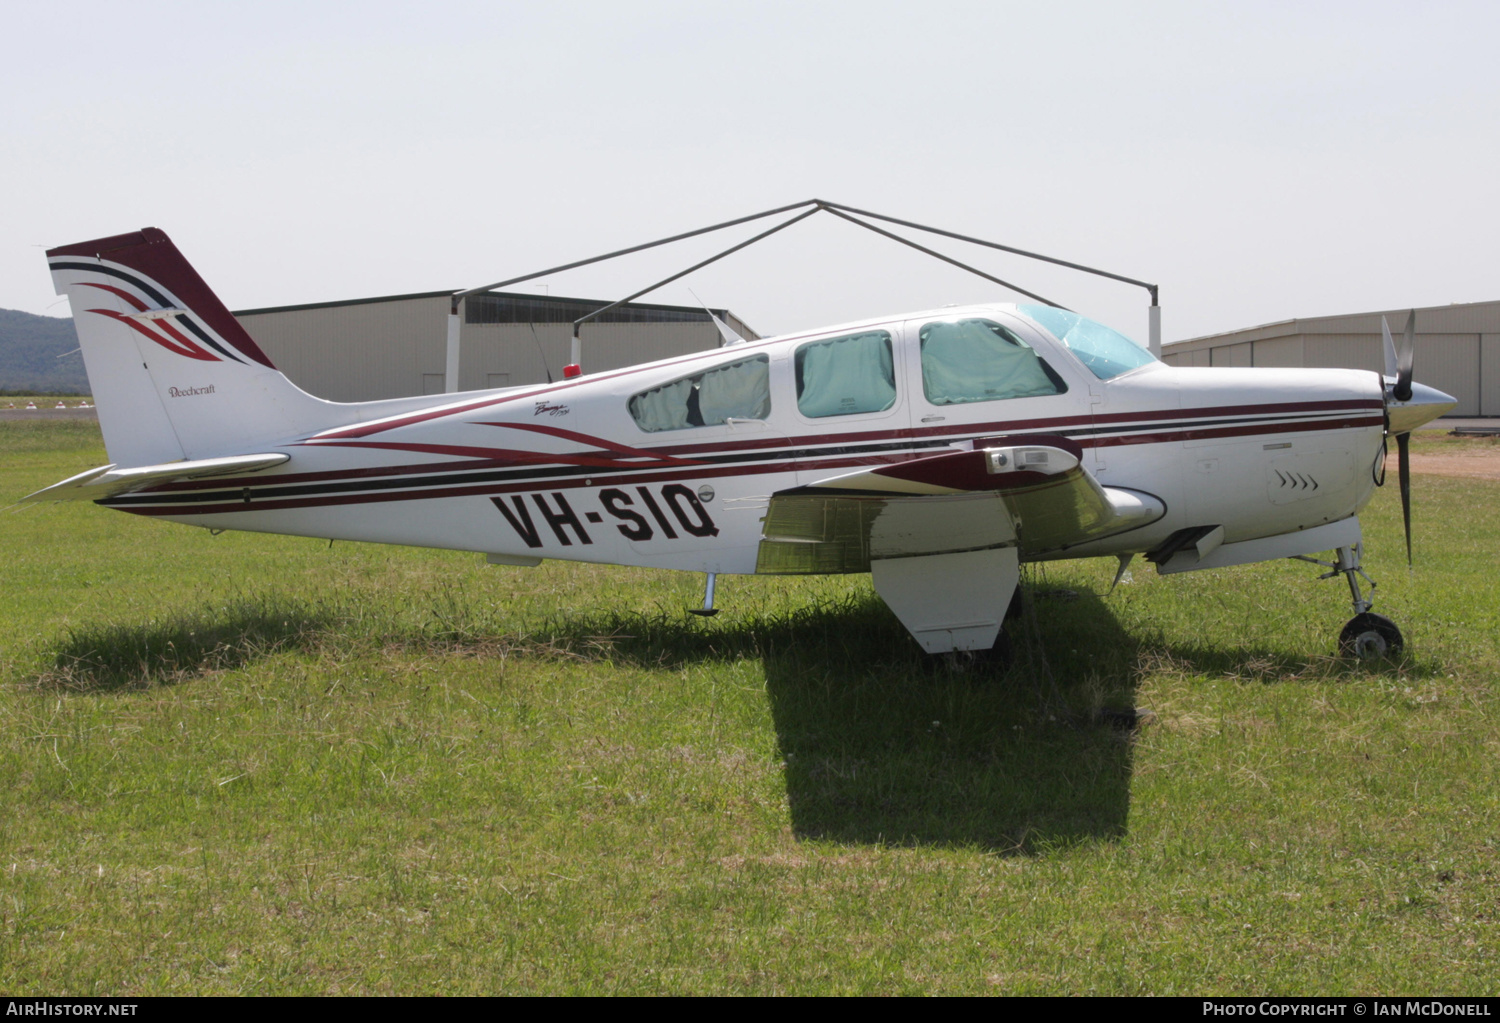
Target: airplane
938 450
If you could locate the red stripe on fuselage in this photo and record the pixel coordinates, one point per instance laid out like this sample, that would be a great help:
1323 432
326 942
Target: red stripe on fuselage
961 432
957 431
651 475
365 429
272 504
603 459
506 458
583 438
1230 431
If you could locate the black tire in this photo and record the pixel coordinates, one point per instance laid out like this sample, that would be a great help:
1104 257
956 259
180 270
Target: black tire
1369 636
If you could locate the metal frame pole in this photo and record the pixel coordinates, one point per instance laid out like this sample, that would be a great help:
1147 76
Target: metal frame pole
818 206
459 296
1153 326
450 368
946 259
578 323
992 245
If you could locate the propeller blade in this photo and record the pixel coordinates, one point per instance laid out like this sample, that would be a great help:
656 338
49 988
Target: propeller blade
1403 451
1402 390
1391 366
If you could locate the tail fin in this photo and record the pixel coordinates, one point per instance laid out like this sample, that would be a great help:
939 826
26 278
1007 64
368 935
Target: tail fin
174 374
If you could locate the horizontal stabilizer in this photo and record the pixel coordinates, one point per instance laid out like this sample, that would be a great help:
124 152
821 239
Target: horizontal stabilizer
109 480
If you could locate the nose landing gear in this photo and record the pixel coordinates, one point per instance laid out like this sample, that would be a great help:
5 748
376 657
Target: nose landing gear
1367 636
1370 636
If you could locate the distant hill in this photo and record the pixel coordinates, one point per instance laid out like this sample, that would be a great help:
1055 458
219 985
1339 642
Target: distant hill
34 354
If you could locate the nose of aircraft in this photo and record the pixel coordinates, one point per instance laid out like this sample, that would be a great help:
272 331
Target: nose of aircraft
1425 404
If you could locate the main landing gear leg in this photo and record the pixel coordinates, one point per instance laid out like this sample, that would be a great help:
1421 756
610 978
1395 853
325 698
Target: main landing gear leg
707 610
1367 635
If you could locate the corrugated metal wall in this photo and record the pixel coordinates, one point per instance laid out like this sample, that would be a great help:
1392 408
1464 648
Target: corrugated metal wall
1280 351
1232 355
356 352
1489 375
513 349
388 349
1349 351
1450 362
1458 349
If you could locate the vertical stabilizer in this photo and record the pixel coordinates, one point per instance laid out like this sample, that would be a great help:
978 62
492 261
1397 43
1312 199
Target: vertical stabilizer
174 375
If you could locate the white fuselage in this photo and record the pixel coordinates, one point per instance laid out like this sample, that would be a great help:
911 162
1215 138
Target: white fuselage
568 471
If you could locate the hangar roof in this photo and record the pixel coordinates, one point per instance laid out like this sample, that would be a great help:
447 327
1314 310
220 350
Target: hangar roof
512 307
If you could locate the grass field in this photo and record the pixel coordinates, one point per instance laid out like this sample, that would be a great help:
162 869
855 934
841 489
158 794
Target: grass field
261 765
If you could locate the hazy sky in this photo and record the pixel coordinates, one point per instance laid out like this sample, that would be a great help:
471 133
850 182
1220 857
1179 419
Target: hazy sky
1259 161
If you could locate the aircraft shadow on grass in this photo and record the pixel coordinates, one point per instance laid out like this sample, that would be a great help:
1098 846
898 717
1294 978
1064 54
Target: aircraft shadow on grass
883 745
1010 759
178 647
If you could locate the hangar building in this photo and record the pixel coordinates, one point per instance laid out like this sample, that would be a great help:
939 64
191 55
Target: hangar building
1458 348
390 347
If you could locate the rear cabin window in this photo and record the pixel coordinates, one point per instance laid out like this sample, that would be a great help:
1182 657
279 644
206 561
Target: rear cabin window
979 360
734 390
843 376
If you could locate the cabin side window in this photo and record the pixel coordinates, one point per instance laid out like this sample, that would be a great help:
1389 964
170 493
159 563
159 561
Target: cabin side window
979 360
843 376
734 390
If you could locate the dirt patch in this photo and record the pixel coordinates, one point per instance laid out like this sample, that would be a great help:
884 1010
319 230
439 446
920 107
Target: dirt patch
1481 464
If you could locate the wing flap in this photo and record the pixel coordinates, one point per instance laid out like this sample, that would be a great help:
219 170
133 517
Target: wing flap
110 480
818 534
1035 496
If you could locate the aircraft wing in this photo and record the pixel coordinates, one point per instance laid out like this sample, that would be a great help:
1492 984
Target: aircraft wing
109 480
1035 495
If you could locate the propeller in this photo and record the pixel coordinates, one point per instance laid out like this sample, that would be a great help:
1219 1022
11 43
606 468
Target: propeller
1402 390
1398 378
1403 456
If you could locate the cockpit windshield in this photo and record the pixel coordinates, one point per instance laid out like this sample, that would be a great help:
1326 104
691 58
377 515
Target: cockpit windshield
1106 353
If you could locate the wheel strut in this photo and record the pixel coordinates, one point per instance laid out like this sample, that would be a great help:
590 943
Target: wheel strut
1366 635
1348 565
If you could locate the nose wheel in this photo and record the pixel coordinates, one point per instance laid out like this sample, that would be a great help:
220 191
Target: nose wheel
1367 636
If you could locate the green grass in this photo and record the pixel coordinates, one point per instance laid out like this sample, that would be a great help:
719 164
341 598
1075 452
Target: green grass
252 765
37 396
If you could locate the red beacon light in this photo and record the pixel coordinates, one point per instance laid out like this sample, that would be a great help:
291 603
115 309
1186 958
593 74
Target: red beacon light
572 370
